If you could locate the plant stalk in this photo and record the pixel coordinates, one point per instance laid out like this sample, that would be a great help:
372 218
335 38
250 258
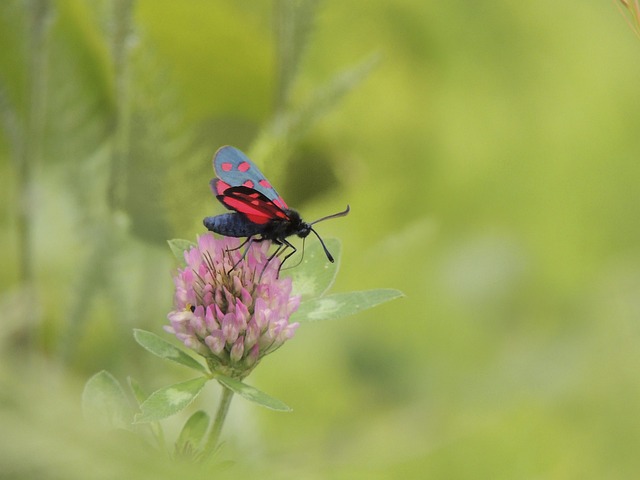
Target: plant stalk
221 415
121 43
28 154
31 150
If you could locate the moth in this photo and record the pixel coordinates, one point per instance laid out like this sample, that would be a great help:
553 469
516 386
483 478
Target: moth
258 212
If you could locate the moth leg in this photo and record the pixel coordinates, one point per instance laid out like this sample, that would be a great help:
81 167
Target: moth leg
282 245
277 251
248 239
248 243
285 244
301 256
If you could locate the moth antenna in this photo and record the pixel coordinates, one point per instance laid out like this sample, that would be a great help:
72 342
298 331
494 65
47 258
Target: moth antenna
339 214
326 251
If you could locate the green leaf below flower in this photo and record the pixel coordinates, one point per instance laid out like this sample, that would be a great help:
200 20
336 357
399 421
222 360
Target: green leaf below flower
340 305
192 433
139 394
105 403
163 349
315 274
253 394
178 247
170 400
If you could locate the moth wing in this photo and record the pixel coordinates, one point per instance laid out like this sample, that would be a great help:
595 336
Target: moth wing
253 204
235 169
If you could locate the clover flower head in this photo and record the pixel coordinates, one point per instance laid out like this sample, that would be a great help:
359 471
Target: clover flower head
231 310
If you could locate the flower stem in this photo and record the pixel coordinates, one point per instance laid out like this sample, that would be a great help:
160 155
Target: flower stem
121 45
214 434
40 13
29 152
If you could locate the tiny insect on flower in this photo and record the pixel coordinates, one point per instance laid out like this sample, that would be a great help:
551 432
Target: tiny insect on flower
259 212
231 316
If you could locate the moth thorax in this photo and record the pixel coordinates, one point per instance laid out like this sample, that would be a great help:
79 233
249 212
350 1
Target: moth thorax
296 225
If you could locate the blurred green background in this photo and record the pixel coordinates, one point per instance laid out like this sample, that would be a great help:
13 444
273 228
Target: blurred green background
489 151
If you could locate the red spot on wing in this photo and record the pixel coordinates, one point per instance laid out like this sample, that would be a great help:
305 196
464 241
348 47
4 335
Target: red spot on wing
226 166
244 166
282 215
248 183
265 183
220 186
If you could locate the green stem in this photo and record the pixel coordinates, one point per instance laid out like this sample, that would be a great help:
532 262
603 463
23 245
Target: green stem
121 43
91 277
29 153
32 147
94 273
214 434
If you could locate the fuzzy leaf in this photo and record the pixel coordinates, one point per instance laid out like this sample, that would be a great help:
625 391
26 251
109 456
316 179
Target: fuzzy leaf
178 247
315 275
170 400
105 403
253 394
139 394
163 349
192 433
341 305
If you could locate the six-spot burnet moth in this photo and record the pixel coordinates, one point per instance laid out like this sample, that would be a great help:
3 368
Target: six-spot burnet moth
259 213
